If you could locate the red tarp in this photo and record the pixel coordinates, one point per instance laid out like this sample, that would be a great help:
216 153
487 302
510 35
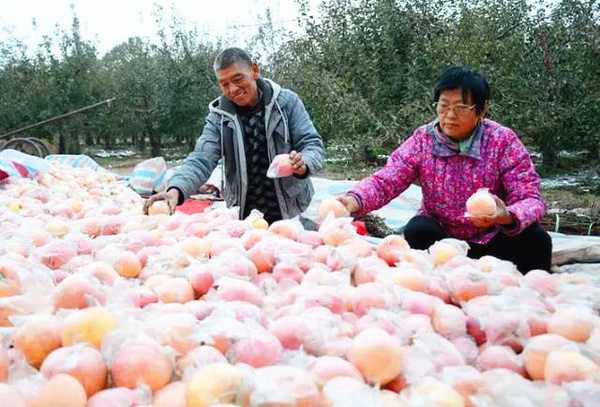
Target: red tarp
191 206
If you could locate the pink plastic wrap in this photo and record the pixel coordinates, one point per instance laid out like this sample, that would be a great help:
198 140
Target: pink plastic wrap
232 263
432 392
505 388
445 249
466 380
439 350
11 395
200 356
331 206
283 386
259 348
349 392
83 362
481 203
119 397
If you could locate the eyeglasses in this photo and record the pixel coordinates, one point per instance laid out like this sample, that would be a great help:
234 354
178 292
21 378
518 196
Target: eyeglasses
442 108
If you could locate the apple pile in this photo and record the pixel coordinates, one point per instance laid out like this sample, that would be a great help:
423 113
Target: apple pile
102 306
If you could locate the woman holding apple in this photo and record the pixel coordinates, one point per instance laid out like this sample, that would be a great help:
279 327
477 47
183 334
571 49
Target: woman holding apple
453 157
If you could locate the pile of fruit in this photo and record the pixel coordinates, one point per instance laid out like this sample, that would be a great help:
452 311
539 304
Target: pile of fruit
101 305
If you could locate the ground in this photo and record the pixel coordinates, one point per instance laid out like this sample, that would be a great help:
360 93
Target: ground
574 212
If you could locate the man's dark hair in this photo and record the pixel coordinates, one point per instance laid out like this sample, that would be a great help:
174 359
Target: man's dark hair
231 56
467 79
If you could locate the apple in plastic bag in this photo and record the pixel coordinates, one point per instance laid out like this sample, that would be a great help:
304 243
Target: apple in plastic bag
280 167
481 203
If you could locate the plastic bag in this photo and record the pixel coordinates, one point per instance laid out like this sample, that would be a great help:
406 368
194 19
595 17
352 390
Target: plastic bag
481 203
149 176
280 167
331 205
446 249
76 161
283 385
16 164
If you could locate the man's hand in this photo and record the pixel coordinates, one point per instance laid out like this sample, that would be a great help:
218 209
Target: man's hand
298 163
349 202
500 217
210 189
171 197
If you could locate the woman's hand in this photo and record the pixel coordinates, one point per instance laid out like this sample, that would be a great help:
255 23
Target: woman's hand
298 163
350 203
500 217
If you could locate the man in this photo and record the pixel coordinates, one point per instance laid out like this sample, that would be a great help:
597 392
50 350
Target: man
253 121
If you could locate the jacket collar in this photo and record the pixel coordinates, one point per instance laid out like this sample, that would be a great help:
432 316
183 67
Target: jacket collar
441 149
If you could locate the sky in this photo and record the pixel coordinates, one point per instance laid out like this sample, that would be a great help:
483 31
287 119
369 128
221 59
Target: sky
111 22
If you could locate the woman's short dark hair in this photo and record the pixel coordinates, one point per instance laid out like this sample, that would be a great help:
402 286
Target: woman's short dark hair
231 56
467 79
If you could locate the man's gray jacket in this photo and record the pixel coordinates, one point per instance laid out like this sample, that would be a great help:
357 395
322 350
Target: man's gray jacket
288 127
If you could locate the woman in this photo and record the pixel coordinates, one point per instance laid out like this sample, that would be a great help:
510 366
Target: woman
452 157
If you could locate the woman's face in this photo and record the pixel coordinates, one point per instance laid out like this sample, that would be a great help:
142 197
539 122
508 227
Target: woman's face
457 118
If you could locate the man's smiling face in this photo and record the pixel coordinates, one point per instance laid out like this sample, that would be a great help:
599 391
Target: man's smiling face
238 83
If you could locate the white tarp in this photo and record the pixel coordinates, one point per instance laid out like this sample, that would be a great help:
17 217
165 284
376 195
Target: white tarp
396 214
568 249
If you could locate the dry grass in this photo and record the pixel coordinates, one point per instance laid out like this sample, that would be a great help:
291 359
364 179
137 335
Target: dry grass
574 213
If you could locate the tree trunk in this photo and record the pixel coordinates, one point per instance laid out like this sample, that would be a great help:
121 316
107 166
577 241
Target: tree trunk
62 140
154 139
107 141
73 143
89 136
549 156
142 141
549 144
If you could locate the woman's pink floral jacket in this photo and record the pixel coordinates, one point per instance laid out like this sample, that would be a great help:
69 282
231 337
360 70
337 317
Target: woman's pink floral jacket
496 160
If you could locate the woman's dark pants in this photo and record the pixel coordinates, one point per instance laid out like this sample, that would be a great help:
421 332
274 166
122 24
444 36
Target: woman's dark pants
529 250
